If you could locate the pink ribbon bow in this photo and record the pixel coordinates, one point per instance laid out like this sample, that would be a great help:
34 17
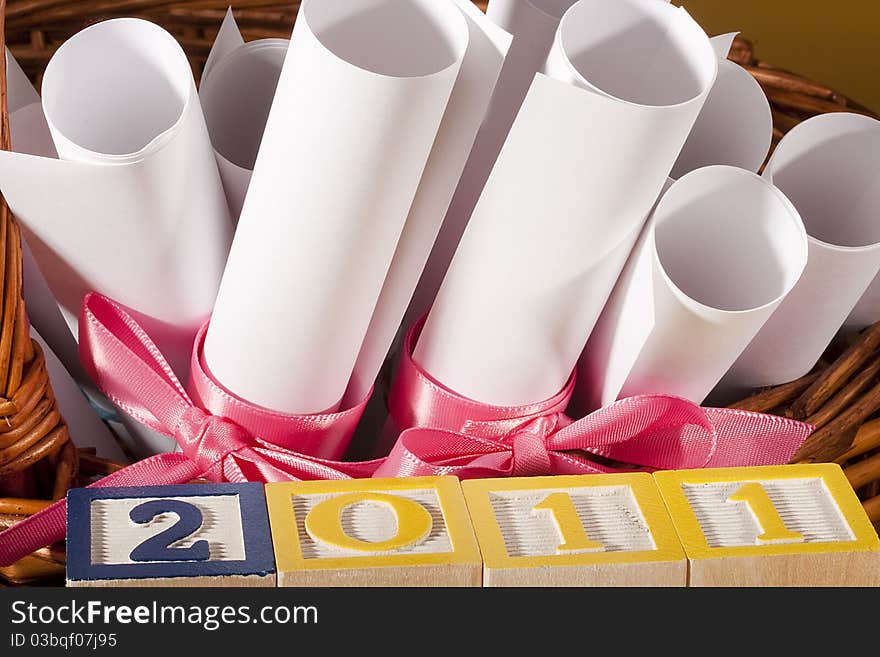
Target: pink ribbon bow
217 444
453 435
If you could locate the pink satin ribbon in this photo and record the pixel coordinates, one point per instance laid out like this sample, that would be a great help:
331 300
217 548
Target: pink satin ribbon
445 433
128 367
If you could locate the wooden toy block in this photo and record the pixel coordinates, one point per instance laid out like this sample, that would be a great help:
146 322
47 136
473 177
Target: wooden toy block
194 535
589 530
373 532
792 525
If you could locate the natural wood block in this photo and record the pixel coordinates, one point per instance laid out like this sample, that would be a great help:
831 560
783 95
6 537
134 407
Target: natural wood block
591 530
792 525
196 535
373 532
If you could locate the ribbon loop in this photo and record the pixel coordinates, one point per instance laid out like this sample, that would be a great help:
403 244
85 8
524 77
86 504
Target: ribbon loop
658 432
529 447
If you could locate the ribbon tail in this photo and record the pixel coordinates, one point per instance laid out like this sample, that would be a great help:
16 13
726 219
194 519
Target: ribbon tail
49 525
747 439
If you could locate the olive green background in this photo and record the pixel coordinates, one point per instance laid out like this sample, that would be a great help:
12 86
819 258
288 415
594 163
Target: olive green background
836 42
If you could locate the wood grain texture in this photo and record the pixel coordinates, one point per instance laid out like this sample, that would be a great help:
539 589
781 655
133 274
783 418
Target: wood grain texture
644 574
224 581
441 575
828 569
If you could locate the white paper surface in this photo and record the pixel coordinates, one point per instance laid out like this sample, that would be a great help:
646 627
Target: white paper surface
236 91
865 207
533 24
135 208
735 126
586 158
228 40
86 428
828 167
359 103
467 106
719 254
45 315
19 90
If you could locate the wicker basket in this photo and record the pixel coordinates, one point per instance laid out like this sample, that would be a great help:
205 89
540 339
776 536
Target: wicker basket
37 459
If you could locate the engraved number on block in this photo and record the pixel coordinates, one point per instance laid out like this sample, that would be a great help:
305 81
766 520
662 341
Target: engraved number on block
766 512
167 530
325 522
761 506
571 529
158 547
370 523
580 520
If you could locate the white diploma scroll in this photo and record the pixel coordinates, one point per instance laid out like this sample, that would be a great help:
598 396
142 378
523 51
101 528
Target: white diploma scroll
735 126
487 47
237 88
361 97
584 163
533 25
720 252
829 166
134 208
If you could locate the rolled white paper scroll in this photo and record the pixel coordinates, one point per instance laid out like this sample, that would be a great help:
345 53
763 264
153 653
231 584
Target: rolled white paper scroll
586 158
30 134
358 106
867 206
829 166
533 24
735 126
720 252
487 47
237 88
134 209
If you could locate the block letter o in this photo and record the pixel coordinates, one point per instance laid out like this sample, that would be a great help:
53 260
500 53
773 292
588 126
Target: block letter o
324 522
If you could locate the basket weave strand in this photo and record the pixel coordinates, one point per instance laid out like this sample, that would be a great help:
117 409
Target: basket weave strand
37 458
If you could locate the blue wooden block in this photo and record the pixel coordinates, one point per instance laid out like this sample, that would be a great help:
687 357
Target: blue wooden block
193 535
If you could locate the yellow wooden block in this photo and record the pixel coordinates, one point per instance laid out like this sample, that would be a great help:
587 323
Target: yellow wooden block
592 530
792 525
373 532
